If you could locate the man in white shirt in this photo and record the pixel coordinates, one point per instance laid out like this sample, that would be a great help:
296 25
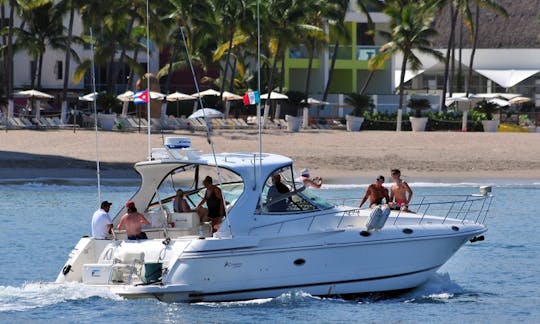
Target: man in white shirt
101 221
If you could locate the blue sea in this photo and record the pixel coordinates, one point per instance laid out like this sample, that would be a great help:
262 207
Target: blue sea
493 281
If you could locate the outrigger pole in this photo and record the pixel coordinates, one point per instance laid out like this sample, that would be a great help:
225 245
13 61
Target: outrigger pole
148 79
98 171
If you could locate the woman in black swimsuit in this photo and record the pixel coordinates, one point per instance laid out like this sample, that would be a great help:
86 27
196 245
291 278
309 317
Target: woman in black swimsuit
214 202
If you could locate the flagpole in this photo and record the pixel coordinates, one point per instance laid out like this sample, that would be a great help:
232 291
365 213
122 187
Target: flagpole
259 77
148 78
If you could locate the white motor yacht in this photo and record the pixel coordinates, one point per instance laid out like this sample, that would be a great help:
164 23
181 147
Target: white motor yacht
267 245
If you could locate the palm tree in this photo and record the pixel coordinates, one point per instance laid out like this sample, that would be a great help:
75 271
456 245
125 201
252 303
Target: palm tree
43 29
314 37
457 7
335 12
493 5
410 29
7 48
198 23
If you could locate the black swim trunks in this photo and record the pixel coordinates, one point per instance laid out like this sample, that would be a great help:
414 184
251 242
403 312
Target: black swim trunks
140 236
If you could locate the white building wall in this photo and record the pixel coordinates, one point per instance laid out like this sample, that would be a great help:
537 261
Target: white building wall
49 80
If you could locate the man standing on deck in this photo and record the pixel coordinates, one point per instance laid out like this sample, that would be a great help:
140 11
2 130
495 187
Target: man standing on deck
101 221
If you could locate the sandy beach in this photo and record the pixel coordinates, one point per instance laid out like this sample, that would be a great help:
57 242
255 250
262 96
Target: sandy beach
337 156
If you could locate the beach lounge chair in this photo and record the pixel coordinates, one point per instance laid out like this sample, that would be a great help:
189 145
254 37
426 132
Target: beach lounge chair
15 122
57 122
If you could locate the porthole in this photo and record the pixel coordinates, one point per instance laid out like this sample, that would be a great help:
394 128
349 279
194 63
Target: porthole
455 228
365 233
299 262
407 231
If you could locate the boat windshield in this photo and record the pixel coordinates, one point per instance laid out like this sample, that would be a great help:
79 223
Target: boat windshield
189 178
282 195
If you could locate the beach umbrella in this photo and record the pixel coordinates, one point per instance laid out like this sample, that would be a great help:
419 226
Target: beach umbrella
34 94
178 96
126 96
130 96
449 101
157 95
519 100
499 102
209 92
315 102
274 95
231 96
89 97
206 113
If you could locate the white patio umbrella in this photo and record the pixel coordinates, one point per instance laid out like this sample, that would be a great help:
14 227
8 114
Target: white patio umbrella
35 94
231 96
463 104
499 102
519 100
126 96
89 97
209 92
274 95
315 102
206 113
178 96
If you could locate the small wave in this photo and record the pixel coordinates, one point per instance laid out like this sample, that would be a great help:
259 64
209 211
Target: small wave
37 295
439 289
285 298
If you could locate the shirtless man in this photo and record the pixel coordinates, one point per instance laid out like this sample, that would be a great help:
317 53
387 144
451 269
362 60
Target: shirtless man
310 183
132 222
376 192
400 192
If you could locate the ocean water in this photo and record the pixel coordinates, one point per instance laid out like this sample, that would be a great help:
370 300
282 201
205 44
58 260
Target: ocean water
494 281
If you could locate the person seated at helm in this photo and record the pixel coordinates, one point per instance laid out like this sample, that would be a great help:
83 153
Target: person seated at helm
308 182
276 200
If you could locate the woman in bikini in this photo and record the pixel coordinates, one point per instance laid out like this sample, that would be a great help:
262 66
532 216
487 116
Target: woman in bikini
214 202
400 192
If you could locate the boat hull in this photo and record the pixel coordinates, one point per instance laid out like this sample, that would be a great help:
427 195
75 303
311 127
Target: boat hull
320 270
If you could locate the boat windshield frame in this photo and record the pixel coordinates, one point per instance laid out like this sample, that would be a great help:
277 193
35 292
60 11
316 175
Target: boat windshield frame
299 199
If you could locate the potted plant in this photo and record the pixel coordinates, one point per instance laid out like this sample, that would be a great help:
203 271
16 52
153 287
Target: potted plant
294 123
109 106
360 103
488 109
418 123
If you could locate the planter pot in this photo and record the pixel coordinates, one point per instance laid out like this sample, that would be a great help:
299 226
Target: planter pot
490 125
293 123
354 123
106 121
418 124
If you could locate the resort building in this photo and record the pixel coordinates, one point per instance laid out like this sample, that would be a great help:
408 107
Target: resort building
507 59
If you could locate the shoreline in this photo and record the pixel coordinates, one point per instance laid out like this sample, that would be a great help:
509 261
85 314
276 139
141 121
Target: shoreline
339 157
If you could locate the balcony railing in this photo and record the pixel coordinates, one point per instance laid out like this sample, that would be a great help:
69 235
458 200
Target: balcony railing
345 52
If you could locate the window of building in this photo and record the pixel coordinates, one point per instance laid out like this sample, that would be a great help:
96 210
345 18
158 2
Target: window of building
33 68
362 36
59 70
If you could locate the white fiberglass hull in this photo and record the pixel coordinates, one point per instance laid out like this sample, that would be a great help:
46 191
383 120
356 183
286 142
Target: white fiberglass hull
332 268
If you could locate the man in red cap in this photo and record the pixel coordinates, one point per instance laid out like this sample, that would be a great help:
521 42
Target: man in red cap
132 222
